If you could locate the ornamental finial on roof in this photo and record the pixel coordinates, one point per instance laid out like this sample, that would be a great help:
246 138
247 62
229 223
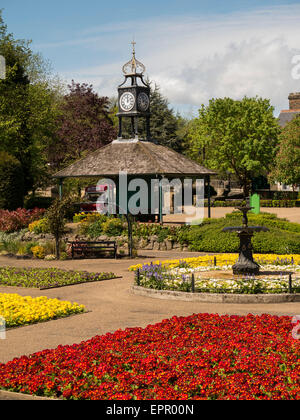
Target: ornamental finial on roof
133 67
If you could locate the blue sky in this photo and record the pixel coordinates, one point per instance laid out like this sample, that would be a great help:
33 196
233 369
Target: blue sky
194 49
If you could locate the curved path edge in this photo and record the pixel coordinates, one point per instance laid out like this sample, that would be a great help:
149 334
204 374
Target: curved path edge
215 297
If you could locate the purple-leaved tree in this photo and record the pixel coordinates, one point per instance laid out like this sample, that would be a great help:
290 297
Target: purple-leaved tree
84 125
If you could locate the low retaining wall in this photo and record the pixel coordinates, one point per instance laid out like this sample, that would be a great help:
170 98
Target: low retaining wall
215 297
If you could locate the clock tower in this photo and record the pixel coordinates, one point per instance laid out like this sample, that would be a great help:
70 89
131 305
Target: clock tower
134 97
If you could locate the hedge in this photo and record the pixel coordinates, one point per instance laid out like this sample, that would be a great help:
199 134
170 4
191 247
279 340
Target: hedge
283 237
263 203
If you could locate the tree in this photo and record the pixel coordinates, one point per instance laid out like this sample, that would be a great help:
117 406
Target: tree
84 125
55 216
11 182
164 123
286 167
26 107
240 137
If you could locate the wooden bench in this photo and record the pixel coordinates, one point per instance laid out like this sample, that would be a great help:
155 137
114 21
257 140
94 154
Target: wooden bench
84 248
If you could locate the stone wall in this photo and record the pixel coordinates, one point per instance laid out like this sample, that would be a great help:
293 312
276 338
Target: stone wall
151 243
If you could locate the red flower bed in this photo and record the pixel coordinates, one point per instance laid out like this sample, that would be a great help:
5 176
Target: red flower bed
197 357
12 221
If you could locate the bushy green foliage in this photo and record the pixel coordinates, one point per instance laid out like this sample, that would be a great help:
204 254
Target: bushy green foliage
279 203
92 225
114 227
287 161
17 247
39 226
29 99
11 182
239 136
283 237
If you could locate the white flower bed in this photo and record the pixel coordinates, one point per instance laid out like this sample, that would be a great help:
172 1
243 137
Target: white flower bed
180 278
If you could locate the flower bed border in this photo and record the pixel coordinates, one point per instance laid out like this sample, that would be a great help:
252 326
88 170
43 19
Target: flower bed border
8 395
76 284
215 297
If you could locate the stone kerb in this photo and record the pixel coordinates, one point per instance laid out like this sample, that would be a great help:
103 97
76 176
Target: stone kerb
215 297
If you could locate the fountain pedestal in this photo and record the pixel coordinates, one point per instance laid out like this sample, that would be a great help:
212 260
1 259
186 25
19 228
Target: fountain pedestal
246 264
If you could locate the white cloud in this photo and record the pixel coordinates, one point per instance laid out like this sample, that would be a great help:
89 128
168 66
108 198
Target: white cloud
195 58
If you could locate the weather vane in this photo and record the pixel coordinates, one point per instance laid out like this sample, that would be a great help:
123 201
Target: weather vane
133 67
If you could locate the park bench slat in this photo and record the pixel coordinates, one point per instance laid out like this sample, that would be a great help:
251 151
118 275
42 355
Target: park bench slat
87 246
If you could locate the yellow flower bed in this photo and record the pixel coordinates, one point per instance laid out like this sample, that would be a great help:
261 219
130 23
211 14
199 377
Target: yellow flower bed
222 260
18 310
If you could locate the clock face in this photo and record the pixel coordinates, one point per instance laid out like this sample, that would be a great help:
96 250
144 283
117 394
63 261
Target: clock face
127 101
143 101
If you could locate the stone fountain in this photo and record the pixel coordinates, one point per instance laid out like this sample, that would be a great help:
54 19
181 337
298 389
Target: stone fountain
246 264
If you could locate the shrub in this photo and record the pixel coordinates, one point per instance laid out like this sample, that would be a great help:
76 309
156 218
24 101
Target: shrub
29 246
91 224
13 221
38 252
39 226
285 195
11 246
263 203
92 230
63 256
113 227
11 182
79 217
283 237
16 246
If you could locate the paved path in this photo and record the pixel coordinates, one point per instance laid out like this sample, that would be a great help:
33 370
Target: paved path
111 306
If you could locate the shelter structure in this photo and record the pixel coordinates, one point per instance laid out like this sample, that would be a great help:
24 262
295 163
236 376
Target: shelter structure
137 157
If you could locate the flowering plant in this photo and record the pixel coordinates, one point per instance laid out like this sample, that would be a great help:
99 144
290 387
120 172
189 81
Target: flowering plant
39 226
209 357
38 252
224 260
18 310
177 275
47 277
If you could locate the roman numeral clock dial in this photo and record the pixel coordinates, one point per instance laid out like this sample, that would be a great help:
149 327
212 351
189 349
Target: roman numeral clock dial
127 101
143 102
